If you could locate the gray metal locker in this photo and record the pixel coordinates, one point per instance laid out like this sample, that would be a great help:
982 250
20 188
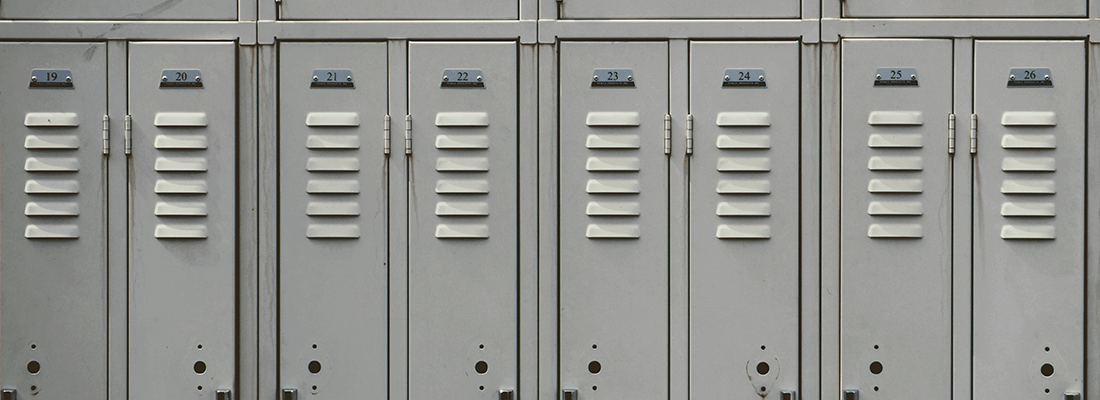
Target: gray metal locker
1029 244
895 216
463 219
333 207
660 9
744 219
174 10
398 9
969 8
183 219
54 248
614 220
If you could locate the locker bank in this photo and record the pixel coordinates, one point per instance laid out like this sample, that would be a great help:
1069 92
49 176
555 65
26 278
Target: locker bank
549 199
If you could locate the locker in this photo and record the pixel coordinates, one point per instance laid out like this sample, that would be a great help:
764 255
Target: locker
173 10
399 9
332 315
614 220
895 218
744 219
463 219
53 256
952 8
1029 245
656 9
183 261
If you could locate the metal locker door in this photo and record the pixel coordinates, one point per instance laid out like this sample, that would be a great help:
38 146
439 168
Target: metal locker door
895 218
463 220
744 219
119 9
183 219
1029 245
663 9
614 220
333 206
53 256
970 8
398 9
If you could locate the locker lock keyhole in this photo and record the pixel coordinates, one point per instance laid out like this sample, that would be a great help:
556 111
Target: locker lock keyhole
481 367
314 367
34 367
200 367
594 367
876 368
763 368
1047 370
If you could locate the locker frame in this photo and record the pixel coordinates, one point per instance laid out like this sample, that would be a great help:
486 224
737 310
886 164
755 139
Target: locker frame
268 11
963 32
810 10
549 204
831 9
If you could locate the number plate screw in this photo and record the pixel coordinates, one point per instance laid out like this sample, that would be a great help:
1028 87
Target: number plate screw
913 77
445 78
198 79
1046 77
164 79
1012 77
68 79
630 78
34 79
479 79
877 77
727 78
315 79
761 78
349 79
595 78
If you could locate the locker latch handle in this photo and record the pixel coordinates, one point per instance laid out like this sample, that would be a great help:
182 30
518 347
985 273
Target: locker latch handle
290 394
224 394
851 394
569 394
1073 396
788 395
507 394
9 394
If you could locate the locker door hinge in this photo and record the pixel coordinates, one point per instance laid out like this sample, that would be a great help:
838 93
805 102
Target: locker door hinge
951 133
668 134
9 394
224 394
386 136
507 394
851 394
973 133
106 134
408 134
129 130
290 394
788 395
690 148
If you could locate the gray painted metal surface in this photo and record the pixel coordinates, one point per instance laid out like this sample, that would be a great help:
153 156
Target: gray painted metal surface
183 263
463 197
701 9
1028 237
119 10
398 9
744 219
895 216
980 8
53 252
333 210
613 222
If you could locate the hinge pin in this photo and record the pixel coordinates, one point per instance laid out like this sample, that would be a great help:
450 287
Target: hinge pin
973 133
408 134
668 134
386 135
690 134
951 133
106 134
129 131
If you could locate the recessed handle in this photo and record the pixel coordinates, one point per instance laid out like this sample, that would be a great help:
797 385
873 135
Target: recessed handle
224 394
851 394
569 394
1073 396
507 394
788 395
9 394
290 394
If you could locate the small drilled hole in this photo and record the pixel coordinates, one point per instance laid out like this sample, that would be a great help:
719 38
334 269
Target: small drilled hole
1047 348
762 347
1047 370
481 387
200 347
594 367
200 367
876 347
876 388
876 368
34 346
314 367
33 367
33 388
1047 390
593 346
200 387
481 346
315 345
481 367
763 388
314 387
593 387
763 368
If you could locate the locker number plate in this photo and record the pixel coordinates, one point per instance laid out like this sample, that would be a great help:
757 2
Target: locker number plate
1030 78
894 77
744 78
332 79
181 79
613 78
462 78
51 79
